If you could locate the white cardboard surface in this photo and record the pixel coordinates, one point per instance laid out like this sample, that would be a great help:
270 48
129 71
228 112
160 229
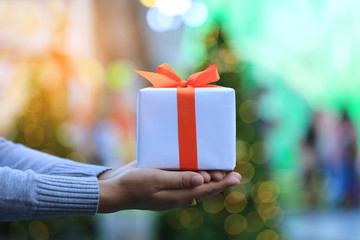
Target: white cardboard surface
157 128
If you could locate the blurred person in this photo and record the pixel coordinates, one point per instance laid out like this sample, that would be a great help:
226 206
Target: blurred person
37 185
347 153
310 165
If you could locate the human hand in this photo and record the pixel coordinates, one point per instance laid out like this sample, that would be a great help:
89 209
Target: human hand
155 189
216 175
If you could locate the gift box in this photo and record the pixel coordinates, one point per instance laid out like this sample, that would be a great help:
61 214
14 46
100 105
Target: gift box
185 125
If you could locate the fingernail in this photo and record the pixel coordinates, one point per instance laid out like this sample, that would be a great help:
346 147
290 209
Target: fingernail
197 180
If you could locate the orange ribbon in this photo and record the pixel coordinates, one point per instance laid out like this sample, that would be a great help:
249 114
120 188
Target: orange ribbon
167 78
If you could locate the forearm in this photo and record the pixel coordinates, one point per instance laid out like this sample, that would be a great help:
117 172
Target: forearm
25 195
17 156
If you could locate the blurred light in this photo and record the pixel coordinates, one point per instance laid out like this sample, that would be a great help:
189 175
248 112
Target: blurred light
173 7
38 230
120 75
17 231
268 235
254 222
58 106
268 211
191 218
262 152
235 224
148 3
160 22
250 111
64 134
196 15
235 202
34 136
246 170
214 204
268 191
244 151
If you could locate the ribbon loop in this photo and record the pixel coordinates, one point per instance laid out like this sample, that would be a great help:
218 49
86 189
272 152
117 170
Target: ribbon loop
166 77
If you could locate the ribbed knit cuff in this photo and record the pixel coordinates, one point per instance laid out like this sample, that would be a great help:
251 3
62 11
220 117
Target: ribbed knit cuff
66 196
76 169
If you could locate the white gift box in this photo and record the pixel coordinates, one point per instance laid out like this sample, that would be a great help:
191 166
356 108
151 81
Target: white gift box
157 128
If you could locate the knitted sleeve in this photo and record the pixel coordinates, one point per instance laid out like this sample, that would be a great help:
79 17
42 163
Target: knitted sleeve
26 194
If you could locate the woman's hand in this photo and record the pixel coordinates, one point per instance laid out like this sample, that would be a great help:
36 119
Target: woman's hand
155 189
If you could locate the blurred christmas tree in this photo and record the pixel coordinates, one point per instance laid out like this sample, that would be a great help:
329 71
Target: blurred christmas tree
250 210
39 127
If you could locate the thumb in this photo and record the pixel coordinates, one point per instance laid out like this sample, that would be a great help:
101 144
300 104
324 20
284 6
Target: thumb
179 180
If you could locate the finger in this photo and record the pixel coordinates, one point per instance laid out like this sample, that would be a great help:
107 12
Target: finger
217 175
182 197
178 180
206 176
232 179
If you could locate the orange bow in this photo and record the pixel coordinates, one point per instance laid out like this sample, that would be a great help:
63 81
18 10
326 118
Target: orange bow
167 78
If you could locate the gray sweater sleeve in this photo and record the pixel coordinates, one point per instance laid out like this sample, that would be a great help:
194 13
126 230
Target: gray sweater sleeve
25 195
35 184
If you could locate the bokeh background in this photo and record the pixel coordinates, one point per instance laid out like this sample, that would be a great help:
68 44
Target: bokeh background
67 87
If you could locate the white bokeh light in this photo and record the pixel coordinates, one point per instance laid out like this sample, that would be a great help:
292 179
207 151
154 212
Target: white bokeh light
196 15
160 22
173 7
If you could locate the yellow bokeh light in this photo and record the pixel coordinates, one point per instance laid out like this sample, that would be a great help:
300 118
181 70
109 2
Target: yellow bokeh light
148 3
262 152
235 202
244 151
191 218
238 188
58 105
268 191
268 235
254 222
214 205
34 135
246 170
250 111
38 230
268 211
235 224
275 222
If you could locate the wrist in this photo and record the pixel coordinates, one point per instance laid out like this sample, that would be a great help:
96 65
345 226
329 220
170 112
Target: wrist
104 197
106 174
